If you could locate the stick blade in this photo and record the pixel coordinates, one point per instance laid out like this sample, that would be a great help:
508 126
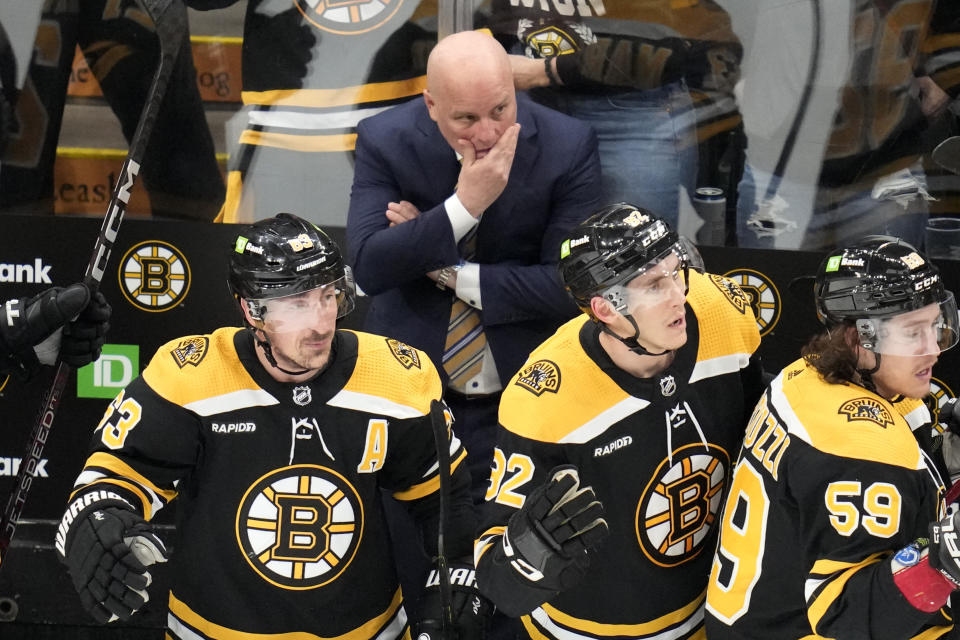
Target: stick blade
947 154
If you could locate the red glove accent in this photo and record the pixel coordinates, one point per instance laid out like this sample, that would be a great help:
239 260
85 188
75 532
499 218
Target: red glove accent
923 586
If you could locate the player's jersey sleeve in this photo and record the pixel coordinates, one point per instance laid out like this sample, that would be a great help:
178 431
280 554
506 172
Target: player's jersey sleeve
941 45
520 465
830 483
537 414
149 437
403 381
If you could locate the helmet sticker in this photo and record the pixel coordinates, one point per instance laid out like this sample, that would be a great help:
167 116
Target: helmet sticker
635 219
912 260
300 243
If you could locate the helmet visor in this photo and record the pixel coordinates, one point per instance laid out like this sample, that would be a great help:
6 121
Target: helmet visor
922 332
653 283
304 310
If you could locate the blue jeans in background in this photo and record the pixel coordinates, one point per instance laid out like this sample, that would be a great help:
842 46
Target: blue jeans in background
647 142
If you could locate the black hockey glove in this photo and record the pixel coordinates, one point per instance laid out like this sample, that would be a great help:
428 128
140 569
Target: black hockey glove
547 541
107 551
29 328
949 416
470 611
83 338
945 547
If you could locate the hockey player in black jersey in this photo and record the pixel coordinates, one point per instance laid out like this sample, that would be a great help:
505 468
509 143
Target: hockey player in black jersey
278 439
625 422
827 529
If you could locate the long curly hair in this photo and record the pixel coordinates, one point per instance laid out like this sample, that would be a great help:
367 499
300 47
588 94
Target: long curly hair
833 353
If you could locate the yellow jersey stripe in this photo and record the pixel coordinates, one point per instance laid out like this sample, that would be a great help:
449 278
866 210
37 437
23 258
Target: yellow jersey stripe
428 487
486 541
121 468
378 627
294 142
822 602
346 96
129 486
686 612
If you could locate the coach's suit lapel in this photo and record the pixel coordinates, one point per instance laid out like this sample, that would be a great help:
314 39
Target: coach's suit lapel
438 162
502 214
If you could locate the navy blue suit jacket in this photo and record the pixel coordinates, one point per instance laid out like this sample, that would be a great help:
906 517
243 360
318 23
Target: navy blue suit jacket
553 185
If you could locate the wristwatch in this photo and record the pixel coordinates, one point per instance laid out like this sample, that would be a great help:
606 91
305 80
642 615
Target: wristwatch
445 274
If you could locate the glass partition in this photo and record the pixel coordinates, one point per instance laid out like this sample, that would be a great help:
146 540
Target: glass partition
788 125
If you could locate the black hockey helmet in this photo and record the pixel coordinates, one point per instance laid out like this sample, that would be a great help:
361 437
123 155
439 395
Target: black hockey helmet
877 279
615 245
285 256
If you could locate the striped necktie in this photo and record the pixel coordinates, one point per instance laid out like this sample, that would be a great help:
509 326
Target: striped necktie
463 350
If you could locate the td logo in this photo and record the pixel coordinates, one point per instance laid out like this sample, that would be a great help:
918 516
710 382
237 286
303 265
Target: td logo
116 367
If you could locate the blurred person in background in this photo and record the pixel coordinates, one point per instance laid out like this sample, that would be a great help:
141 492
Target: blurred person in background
121 49
848 157
654 79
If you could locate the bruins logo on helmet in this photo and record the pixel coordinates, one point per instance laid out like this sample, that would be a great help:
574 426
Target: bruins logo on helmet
154 276
762 295
731 292
939 394
190 351
404 353
538 377
348 17
681 504
299 527
866 409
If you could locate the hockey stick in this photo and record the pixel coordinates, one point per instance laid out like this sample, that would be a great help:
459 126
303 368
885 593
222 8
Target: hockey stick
764 216
947 154
438 419
170 21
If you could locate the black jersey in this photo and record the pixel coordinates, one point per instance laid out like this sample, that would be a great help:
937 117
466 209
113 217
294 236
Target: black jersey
657 452
311 72
122 50
279 529
831 482
631 44
878 126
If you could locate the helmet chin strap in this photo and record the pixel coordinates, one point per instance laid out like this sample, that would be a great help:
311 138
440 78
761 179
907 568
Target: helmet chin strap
268 351
866 375
631 342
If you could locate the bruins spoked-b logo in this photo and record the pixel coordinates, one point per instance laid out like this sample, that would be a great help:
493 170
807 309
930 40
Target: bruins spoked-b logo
404 353
866 409
348 17
299 526
762 296
154 276
538 377
190 351
939 394
680 506
551 40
